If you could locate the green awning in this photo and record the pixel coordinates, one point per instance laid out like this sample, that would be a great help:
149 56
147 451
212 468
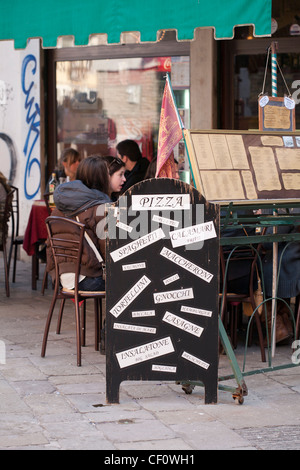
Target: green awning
50 19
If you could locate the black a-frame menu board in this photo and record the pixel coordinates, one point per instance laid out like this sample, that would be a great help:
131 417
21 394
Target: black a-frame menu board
162 287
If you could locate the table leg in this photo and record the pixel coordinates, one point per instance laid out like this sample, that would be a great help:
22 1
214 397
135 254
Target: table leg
34 267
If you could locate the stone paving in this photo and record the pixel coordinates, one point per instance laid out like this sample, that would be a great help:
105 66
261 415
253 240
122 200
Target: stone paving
50 403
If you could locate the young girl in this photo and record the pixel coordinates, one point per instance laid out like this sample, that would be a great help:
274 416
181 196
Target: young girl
80 200
116 170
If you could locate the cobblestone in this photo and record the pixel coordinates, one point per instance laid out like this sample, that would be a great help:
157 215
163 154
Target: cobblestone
50 403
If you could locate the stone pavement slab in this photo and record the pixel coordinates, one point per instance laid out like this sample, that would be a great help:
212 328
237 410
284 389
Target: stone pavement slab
51 404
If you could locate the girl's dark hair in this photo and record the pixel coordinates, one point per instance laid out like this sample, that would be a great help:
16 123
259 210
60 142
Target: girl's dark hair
114 164
93 172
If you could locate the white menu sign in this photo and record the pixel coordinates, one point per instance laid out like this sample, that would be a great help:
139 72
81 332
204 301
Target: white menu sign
129 297
186 264
193 234
195 360
145 352
173 295
137 245
162 202
183 324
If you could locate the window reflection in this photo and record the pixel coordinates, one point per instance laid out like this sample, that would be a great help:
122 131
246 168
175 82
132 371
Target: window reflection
101 102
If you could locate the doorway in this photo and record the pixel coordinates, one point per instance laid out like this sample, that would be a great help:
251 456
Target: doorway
243 69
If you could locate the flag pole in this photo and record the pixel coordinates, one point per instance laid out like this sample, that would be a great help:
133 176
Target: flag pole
182 127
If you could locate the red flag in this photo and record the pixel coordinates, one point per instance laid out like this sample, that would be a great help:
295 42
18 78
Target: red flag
170 133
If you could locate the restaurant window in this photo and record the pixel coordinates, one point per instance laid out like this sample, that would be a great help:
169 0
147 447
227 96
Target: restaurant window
101 102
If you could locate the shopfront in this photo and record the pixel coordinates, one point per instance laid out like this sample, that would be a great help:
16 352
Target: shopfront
101 94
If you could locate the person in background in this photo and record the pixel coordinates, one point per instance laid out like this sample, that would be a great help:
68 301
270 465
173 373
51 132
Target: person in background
81 200
66 166
70 160
135 165
151 171
4 188
116 170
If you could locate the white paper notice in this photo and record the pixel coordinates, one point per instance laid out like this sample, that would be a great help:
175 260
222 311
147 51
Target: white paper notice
165 220
161 202
130 296
266 172
143 313
195 360
183 324
196 311
163 368
173 295
170 279
132 266
186 264
135 328
193 234
145 352
137 245
125 227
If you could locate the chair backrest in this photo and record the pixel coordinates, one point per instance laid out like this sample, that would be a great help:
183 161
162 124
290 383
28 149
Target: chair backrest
46 199
66 235
15 213
5 213
244 254
238 254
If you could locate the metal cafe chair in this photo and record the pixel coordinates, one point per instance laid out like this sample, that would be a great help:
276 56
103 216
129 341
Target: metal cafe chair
232 301
45 277
17 239
59 231
5 213
297 317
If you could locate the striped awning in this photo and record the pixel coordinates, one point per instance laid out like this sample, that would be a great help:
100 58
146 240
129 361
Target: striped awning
51 19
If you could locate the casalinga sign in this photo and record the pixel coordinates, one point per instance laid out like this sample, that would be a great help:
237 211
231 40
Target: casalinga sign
162 287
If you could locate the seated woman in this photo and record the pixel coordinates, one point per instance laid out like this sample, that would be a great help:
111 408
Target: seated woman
116 170
66 166
81 200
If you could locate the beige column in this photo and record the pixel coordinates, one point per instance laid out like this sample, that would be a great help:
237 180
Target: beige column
203 58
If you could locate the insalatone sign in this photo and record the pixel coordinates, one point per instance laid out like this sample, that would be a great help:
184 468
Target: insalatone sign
162 287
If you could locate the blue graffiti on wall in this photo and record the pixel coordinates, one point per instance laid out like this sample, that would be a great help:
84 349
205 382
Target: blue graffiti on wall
33 120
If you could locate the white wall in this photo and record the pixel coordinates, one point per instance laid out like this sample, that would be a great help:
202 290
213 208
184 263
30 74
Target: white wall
20 146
